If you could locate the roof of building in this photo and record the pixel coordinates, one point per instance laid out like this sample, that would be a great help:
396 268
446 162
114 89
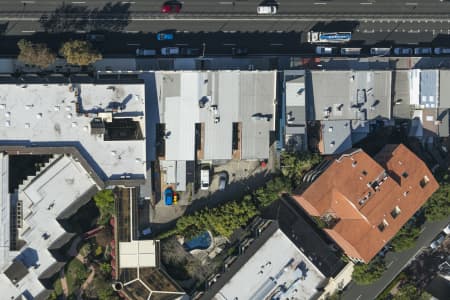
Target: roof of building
49 114
444 88
295 101
44 198
355 95
229 96
366 201
336 137
268 273
137 254
401 108
5 208
429 85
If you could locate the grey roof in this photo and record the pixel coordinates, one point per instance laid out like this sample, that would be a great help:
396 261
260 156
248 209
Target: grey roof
5 206
336 136
444 88
238 95
429 88
443 117
401 107
348 95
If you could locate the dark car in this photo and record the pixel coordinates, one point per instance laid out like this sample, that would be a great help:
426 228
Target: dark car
171 7
190 51
239 51
223 180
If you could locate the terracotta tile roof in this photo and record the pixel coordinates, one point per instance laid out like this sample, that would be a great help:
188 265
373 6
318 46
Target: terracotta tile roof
357 194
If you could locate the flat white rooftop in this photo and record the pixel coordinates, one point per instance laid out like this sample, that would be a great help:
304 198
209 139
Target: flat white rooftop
45 115
278 270
137 254
59 185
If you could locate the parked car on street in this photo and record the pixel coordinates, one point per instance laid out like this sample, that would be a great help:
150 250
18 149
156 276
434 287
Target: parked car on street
403 51
162 36
441 51
170 51
423 51
326 50
190 51
380 51
145 52
438 241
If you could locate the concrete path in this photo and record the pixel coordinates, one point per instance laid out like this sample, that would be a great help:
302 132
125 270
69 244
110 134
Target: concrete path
64 285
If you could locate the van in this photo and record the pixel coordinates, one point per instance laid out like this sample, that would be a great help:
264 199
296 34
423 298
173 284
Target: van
380 51
204 178
145 52
266 10
170 51
326 50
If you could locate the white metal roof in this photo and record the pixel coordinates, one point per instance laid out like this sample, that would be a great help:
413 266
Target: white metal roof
46 114
278 268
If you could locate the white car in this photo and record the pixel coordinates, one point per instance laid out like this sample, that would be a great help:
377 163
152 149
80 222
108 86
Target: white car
204 178
326 50
266 10
446 229
170 51
438 241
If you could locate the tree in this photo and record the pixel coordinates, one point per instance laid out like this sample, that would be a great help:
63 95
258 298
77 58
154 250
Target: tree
35 54
295 165
98 251
106 269
405 238
105 204
409 291
364 274
79 53
271 192
438 205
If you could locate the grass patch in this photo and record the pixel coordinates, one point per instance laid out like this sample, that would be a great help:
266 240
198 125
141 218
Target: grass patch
76 274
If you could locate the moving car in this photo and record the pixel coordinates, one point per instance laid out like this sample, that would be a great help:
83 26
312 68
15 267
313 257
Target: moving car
204 178
164 36
223 180
168 196
171 7
145 52
266 10
170 51
423 51
403 51
438 241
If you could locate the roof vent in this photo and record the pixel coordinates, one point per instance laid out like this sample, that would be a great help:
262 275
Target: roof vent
354 163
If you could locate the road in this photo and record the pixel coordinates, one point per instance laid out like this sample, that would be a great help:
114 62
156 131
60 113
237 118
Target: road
395 262
244 6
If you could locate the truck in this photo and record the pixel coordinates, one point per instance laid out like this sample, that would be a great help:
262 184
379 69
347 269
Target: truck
329 37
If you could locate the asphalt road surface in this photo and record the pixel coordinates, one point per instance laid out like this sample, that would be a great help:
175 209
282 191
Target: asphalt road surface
244 6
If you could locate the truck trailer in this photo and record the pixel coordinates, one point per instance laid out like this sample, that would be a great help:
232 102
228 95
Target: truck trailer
329 37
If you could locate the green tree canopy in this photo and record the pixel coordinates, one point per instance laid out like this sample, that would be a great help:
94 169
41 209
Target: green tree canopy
409 291
364 274
105 203
405 238
272 190
438 206
35 54
79 53
295 165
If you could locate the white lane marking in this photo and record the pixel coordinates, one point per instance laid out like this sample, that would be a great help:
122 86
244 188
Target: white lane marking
131 31
128 2
366 3
182 44
133 44
411 3
320 3
276 44
389 264
28 31
78 2
80 31
231 44
226 3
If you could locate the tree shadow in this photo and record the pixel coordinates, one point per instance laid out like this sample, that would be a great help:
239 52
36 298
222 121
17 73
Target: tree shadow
3 27
70 18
